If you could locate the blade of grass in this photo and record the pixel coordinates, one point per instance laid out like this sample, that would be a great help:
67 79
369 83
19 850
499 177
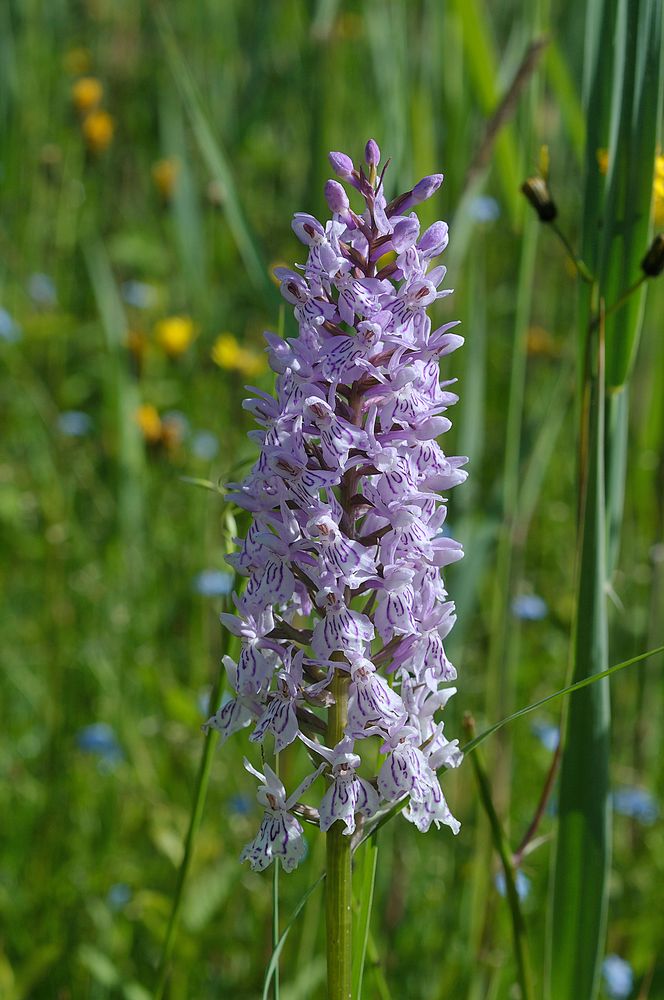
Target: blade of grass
195 817
636 114
483 70
365 882
215 159
274 959
569 100
502 847
123 399
626 225
583 846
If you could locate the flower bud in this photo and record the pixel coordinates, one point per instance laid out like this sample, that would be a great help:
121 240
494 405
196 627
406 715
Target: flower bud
336 197
653 263
537 192
434 239
372 153
343 167
426 187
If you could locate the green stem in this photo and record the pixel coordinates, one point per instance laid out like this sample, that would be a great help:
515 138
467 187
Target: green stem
338 889
198 803
502 847
582 269
275 904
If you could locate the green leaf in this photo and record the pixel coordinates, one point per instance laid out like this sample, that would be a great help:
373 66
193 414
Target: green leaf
626 225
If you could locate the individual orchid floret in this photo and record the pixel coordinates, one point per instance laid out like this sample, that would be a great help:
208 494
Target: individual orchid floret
340 628
372 703
280 716
234 713
280 834
349 794
405 770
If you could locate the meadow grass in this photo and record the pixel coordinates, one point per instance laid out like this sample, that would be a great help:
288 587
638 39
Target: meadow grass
222 115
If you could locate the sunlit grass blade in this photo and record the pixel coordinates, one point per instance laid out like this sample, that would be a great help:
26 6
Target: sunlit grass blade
583 847
274 958
502 848
626 225
195 817
123 401
216 160
364 884
483 68
569 99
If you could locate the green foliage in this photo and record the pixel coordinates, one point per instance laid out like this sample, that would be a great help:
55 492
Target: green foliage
103 534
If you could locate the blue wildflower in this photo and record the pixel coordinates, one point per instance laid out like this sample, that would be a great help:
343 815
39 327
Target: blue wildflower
618 977
484 208
100 740
240 804
213 583
118 896
205 445
10 331
74 423
521 881
138 294
547 734
636 803
41 289
529 608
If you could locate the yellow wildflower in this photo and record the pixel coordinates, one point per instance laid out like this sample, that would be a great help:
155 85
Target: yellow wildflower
658 191
603 161
149 421
225 351
250 363
87 93
174 334
98 128
164 175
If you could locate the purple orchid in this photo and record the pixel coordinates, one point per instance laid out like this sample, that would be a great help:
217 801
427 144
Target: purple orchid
345 553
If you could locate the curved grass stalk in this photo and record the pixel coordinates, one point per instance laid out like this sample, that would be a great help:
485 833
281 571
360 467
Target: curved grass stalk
501 845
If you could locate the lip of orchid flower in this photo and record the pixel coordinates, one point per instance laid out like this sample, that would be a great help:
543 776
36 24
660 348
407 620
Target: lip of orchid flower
346 519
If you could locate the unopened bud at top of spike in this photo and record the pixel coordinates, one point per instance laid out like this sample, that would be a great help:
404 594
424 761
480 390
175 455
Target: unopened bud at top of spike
372 153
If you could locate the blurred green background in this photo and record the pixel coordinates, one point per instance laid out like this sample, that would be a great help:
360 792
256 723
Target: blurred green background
150 161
